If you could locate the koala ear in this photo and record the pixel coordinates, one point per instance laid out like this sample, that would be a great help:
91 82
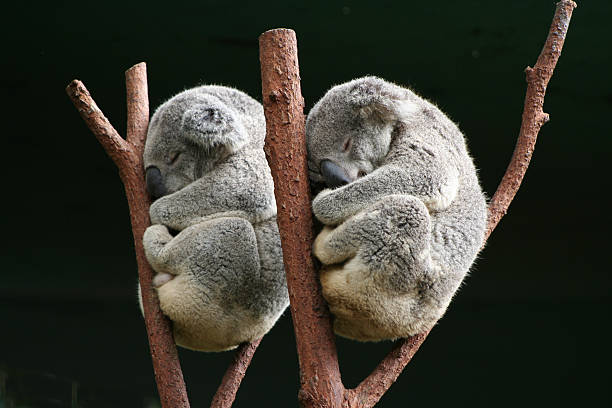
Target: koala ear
378 100
213 127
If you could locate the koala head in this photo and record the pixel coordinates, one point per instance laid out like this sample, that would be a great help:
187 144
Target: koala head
349 130
188 135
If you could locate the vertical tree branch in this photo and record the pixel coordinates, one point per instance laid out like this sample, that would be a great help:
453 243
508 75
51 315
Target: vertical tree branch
285 147
137 93
127 155
320 377
321 385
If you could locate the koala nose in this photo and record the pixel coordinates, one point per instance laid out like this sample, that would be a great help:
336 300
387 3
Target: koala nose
334 175
155 183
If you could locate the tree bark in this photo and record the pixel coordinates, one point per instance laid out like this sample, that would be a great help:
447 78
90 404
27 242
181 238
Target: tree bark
127 155
533 114
285 148
226 393
321 384
374 386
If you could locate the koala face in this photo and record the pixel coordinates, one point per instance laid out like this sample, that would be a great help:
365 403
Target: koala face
343 146
188 135
349 130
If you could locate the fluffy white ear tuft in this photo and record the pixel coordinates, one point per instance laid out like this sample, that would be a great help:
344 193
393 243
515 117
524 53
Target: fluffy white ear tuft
213 127
379 100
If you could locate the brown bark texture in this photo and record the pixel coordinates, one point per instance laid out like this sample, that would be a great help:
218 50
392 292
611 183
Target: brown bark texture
226 393
127 155
533 114
321 384
285 148
374 386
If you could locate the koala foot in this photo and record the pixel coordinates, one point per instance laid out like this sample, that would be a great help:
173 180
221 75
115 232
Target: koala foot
162 278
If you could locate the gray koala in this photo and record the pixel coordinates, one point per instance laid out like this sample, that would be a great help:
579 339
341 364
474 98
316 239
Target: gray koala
404 216
214 242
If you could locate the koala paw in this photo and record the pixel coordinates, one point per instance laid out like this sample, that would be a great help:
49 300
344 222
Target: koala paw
320 249
154 240
446 194
161 278
158 234
158 212
323 209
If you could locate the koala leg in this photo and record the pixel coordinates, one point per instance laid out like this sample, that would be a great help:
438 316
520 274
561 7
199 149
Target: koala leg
385 249
213 262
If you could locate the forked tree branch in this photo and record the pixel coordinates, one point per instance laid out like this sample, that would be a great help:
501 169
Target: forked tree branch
127 155
321 385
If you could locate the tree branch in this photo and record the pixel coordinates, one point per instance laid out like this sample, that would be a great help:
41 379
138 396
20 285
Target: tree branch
389 369
533 115
137 93
226 393
95 120
374 386
283 105
127 155
286 153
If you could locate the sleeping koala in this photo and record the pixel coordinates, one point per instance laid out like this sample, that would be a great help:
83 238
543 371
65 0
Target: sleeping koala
221 278
404 214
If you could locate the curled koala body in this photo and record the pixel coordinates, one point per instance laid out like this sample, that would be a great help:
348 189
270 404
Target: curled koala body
214 241
405 216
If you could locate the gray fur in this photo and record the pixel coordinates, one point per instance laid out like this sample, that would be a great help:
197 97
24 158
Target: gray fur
220 279
401 235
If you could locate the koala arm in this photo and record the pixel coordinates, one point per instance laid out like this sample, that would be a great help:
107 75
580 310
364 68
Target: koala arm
155 239
229 190
433 182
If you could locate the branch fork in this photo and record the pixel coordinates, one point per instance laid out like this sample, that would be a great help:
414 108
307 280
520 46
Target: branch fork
127 156
321 383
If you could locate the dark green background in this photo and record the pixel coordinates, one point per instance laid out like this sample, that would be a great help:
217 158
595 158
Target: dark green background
530 328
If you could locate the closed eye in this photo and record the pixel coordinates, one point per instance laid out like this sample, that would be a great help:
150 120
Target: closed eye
173 157
347 144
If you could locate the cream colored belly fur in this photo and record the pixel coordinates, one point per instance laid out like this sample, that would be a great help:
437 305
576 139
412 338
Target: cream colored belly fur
200 325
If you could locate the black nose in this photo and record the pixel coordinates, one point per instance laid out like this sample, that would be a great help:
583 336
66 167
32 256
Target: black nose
334 175
155 183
